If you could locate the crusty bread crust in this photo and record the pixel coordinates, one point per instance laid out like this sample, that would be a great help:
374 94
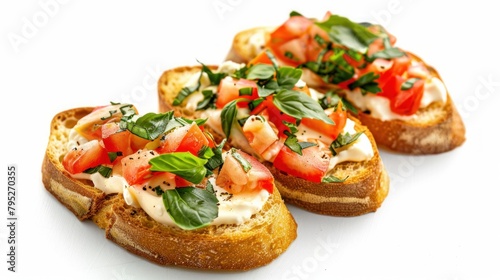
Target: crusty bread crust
252 244
437 128
226 247
363 192
77 195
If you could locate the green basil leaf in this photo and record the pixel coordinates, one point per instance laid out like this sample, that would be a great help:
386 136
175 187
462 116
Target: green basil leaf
299 105
103 170
246 91
128 113
347 33
151 125
184 164
113 155
293 143
209 187
293 127
287 77
240 73
208 100
408 84
185 92
260 72
294 13
214 78
333 179
216 160
344 140
241 160
110 115
227 116
367 83
205 152
191 207
387 54
272 58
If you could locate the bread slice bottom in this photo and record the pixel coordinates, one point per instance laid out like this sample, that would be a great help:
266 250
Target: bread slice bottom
254 243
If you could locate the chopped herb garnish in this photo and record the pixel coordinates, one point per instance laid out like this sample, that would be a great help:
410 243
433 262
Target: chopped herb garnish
110 115
408 84
241 160
344 140
366 83
333 179
103 170
183 164
113 155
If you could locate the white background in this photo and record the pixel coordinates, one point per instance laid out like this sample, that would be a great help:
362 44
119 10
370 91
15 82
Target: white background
440 220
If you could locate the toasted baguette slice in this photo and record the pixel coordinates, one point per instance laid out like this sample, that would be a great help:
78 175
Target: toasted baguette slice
435 129
254 243
363 191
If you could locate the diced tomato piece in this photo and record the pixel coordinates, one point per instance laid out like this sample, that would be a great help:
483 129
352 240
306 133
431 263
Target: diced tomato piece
269 111
261 58
293 52
188 138
339 117
85 156
407 102
293 28
229 90
234 179
259 133
115 140
135 167
90 125
311 165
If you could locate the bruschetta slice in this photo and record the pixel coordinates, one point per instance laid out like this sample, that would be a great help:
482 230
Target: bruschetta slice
323 159
163 189
401 99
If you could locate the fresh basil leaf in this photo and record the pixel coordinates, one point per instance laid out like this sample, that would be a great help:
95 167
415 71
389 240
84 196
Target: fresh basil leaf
209 187
254 103
110 115
293 143
294 13
128 112
216 160
113 155
293 127
191 207
208 100
287 77
272 58
246 91
333 179
347 33
214 78
268 88
240 73
367 83
151 125
103 170
260 72
186 121
227 116
241 160
344 140
387 54
299 105
408 84
183 164
205 152
185 92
